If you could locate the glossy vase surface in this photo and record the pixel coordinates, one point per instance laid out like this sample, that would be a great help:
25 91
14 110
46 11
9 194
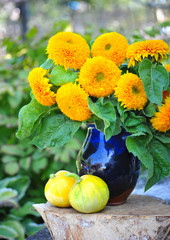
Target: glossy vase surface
111 161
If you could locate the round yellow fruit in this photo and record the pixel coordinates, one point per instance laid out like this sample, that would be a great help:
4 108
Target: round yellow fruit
90 194
61 173
57 189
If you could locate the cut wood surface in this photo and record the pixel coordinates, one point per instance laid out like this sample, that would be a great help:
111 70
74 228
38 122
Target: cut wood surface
141 217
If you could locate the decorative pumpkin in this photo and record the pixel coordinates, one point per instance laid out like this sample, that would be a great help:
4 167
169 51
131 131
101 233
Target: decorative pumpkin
61 173
57 189
90 193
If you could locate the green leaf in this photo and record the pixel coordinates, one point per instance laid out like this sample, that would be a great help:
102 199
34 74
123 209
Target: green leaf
111 99
39 164
29 117
8 198
55 131
57 165
113 129
134 120
139 128
7 158
7 232
135 123
25 163
19 183
116 127
11 168
99 124
8 121
25 210
16 226
168 89
137 144
9 203
60 76
60 26
160 153
165 24
31 227
105 111
39 154
153 154
7 193
31 34
47 64
155 80
163 137
14 150
152 31
150 109
15 99
137 134
68 152
123 112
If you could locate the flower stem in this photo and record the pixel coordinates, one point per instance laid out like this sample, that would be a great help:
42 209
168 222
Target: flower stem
75 176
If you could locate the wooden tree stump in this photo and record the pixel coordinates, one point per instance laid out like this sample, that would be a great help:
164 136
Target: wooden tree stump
140 218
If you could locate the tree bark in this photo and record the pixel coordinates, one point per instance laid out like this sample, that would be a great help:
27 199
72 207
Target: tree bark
141 217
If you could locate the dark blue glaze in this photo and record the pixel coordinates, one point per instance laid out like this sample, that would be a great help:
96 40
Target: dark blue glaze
109 160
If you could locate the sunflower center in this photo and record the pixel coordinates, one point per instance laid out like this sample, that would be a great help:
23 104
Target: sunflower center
108 46
100 76
135 90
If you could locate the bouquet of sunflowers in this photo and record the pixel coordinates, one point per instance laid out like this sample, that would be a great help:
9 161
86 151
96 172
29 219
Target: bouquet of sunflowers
111 84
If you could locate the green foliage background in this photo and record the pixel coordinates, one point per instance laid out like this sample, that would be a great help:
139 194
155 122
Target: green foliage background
24 168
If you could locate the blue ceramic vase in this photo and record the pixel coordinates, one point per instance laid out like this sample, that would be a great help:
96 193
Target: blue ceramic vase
111 161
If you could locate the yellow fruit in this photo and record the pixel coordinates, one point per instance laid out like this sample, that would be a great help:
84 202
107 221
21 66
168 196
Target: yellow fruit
61 173
57 189
90 194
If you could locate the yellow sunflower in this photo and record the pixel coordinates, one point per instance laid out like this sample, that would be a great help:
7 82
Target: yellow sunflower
157 49
130 91
161 120
112 46
68 49
99 76
72 101
41 87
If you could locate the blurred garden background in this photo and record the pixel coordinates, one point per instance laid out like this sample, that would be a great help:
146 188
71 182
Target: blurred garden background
25 27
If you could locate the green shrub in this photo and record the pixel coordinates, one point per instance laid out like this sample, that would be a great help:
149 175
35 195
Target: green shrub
24 168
